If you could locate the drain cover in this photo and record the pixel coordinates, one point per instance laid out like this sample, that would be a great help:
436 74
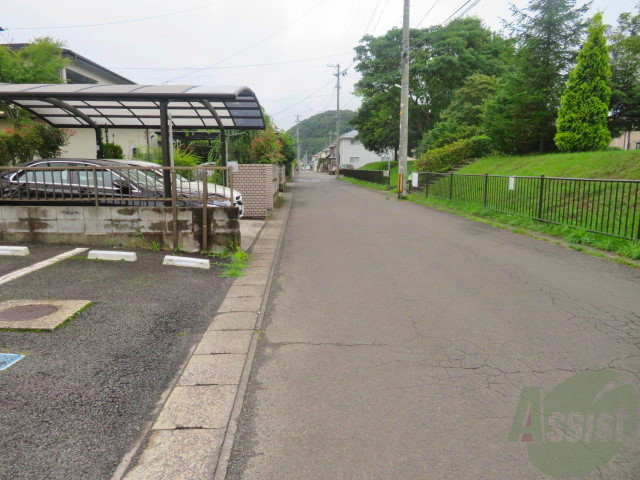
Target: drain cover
8 359
23 313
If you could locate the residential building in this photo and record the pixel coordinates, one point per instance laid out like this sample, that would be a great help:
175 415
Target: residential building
83 141
353 152
627 141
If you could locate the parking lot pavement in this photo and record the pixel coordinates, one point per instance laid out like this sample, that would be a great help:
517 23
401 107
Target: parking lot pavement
38 253
78 401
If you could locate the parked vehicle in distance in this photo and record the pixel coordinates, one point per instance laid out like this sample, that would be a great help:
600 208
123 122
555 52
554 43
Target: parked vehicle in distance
112 185
214 190
333 170
347 166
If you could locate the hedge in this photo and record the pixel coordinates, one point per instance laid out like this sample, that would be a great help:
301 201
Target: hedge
450 156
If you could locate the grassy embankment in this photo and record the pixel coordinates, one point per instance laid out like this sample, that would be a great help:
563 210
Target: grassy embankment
610 164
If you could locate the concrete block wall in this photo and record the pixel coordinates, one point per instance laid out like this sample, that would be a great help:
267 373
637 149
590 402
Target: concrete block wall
256 184
124 225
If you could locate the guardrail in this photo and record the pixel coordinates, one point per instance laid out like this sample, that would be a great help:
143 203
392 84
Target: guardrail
609 207
372 176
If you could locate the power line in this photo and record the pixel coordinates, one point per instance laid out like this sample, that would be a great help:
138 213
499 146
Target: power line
305 98
133 20
380 17
428 12
252 45
233 66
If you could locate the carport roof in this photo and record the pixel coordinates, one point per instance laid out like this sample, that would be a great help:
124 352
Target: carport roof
137 106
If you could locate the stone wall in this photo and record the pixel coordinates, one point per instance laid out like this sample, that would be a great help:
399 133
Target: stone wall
259 185
127 226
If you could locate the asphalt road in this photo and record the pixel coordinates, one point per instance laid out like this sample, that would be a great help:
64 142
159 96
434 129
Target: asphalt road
398 339
77 403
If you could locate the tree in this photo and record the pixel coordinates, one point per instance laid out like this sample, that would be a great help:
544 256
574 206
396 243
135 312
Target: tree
32 139
463 117
38 62
442 58
266 147
288 150
521 117
624 47
315 130
582 118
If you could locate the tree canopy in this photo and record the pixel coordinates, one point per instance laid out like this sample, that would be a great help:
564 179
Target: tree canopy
315 130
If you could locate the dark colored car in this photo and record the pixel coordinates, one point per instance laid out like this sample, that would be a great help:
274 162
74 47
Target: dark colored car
112 184
347 166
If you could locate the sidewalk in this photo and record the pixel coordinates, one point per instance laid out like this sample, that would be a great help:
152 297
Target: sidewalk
192 436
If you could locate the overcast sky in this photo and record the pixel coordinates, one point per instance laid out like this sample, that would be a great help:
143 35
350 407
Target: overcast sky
187 36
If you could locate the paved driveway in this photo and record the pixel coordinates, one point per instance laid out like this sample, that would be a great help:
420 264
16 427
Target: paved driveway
399 338
76 404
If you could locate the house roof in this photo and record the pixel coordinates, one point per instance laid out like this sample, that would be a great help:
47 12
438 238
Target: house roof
137 106
76 57
351 134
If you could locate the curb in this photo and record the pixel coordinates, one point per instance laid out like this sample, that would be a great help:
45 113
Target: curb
192 434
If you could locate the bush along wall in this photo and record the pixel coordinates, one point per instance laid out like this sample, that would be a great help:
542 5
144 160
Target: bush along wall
450 156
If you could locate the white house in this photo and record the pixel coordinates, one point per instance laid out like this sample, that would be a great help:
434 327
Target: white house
627 141
353 152
83 142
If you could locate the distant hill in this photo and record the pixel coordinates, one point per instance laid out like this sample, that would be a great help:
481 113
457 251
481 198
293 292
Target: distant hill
314 131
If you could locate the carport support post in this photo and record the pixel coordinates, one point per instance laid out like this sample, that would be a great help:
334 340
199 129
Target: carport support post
223 154
99 153
166 152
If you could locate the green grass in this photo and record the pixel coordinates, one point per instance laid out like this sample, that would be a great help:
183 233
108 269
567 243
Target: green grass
239 260
607 164
394 170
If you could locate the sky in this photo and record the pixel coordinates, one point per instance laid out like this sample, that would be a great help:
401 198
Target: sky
281 49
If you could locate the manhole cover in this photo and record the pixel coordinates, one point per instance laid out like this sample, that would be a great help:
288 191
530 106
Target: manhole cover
23 313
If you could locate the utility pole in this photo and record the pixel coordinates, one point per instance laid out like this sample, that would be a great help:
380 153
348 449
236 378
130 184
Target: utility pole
298 136
339 73
404 103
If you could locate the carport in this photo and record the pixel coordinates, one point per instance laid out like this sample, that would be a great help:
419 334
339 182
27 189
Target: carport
140 106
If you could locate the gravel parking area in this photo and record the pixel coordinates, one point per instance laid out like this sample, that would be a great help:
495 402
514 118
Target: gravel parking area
79 400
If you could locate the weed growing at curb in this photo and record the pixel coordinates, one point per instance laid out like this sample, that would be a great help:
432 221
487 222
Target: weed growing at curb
239 260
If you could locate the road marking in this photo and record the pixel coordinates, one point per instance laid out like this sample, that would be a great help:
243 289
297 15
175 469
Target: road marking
8 359
37 266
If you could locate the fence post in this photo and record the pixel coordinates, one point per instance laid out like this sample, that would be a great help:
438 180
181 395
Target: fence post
486 188
95 186
541 196
174 206
451 186
205 211
426 188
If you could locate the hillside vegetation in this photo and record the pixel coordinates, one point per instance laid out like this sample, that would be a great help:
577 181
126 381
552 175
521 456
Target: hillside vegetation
314 131
607 164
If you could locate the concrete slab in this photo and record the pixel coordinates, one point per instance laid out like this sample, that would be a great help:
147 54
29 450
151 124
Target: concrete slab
224 369
49 314
249 229
187 262
206 406
257 271
112 255
224 341
241 304
261 263
179 455
235 321
245 291
14 251
252 280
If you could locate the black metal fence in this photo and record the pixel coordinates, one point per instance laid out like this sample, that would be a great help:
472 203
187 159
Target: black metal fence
372 176
610 207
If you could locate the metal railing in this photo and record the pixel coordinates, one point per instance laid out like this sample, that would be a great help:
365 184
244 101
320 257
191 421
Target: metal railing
609 207
371 176
115 185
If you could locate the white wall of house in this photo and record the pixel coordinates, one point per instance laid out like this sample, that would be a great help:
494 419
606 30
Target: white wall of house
353 152
627 141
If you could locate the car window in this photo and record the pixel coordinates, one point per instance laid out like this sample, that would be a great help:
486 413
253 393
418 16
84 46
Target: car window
46 176
104 178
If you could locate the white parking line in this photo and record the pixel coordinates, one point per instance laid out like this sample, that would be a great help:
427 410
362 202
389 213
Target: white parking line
37 266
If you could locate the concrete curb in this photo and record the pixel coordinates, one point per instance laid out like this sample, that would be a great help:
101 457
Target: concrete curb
194 428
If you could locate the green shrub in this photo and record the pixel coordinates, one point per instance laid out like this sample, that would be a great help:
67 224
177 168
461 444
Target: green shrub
447 157
30 140
112 150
